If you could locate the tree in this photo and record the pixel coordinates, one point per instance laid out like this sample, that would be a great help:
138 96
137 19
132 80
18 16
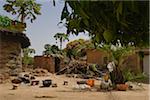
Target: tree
108 21
27 58
62 37
77 48
51 49
24 9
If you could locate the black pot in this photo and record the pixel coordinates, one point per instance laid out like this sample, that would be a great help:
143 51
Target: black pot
47 83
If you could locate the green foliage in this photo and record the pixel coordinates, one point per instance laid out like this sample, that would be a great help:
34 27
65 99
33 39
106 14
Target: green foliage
118 52
141 55
24 9
28 51
108 36
62 37
130 76
27 58
5 21
51 49
11 25
126 20
77 48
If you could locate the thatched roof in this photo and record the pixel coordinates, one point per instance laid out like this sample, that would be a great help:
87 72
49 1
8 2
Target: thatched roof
17 36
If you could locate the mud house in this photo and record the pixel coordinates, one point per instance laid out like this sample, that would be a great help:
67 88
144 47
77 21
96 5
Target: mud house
52 63
96 56
12 41
11 44
139 62
133 61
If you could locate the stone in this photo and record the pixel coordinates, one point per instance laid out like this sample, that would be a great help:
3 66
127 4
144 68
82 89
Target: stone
54 85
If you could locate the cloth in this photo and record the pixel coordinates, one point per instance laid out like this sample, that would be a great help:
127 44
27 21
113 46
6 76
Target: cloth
111 66
106 84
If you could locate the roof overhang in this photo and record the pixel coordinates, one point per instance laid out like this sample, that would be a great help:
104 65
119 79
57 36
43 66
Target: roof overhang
17 36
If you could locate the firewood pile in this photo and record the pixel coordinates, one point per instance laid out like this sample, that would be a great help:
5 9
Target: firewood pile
81 70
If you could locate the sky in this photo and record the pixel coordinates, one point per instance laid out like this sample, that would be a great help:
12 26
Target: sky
42 30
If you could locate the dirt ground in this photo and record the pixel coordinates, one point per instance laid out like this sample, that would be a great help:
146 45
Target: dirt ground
25 92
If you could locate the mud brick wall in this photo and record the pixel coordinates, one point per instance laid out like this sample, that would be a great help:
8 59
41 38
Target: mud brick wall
62 63
10 56
132 62
95 56
45 63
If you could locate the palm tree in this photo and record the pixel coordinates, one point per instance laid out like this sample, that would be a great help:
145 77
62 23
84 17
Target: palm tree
24 9
62 37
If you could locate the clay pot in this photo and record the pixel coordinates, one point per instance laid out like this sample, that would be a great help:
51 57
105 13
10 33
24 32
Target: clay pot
47 83
122 87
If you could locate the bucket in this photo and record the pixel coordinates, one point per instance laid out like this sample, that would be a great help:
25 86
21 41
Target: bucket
90 82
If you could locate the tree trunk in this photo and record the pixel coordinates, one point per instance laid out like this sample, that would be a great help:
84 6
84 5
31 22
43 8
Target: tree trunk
60 43
22 15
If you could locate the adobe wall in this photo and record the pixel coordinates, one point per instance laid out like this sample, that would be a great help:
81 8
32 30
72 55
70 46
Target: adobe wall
10 56
133 62
45 63
96 56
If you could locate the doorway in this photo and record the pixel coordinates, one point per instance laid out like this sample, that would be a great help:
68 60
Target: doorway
57 64
146 67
